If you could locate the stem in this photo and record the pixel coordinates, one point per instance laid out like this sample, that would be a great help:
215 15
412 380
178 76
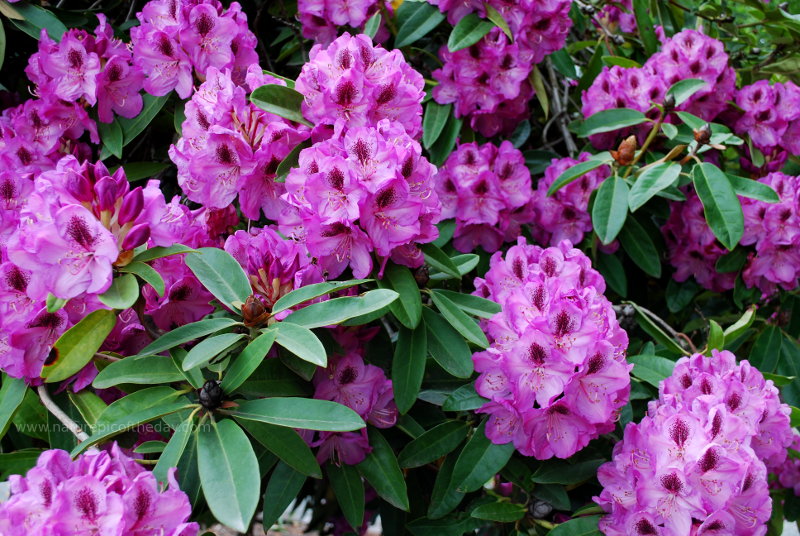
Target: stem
388 19
104 357
62 417
650 137
545 524
560 111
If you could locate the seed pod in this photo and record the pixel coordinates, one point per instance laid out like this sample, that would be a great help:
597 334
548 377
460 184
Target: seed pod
210 395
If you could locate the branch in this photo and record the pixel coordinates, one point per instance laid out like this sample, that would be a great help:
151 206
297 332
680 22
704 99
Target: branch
62 417
560 112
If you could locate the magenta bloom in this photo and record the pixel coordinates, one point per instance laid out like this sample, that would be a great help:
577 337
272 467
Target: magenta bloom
789 473
555 373
320 18
99 493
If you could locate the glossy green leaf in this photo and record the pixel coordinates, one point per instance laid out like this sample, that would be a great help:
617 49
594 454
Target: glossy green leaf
440 260
338 310
443 146
610 209
77 345
580 526
444 497
150 447
310 292
459 320
464 264
736 329
415 20
136 171
282 488
372 25
716 338
54 304
446 346
89 405
408 366
473 305
467 32
651 368
732 261
501 511
147 274
497 18
282 101
248 360
610 120
228 473
564 472
12 393
652 180
381 470
303 413
34 19
221 275
753 189
301 342
111 136
613 272
433 444
682 90
145 369
645 27
286 444
723 211
656 330
209 348
292 160
408 307
766 349
436 116
578 170
159 252
187 333
2 44
465 398
349 491
479 461
122 294
131 128
173 451
640 248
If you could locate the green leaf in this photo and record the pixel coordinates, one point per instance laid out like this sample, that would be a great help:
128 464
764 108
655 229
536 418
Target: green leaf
647 323
645 27
337 310
134 126
464 264
209 348
221 275
150 447
766 349
228 473
753 189
282 101
465 398
732 261
497 18
173 451
444 497
187 333
443 146
415 20
282 488
159 252
134 402
459 320
18 462
613 272
436 116
381 470
77 345
349 491
467 32
286 444
479 461
795 417
11 395
722 209
2 44
501 511
473 305
408 366
89 405
146 369
679 295
565 473
372 25
440 260
580 526
446 346
147 274
54 304
303 413
301 342
408 308
433 444
736 329
34 19
682 90
578 170
111 135
610 120
292 160
652 180
622 61
248 360
651 368
778 380
136 171
640 248
610 209
716 338
310 292
123 292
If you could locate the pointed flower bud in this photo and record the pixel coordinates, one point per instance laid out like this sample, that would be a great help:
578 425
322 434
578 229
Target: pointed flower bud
138 235
132 205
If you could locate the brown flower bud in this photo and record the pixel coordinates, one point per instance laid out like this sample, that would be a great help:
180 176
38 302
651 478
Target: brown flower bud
421 276
254 312
625 152
702 135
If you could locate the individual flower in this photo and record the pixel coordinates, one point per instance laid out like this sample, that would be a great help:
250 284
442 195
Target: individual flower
555 372
618 16
320 18
98 493
482 186
362 84
565 214
789 473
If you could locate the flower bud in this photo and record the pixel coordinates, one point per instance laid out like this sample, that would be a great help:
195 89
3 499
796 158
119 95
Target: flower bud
422 276
669 103
254 311
211 395
106 192
138 235
702 135
132 205
80 187
625 152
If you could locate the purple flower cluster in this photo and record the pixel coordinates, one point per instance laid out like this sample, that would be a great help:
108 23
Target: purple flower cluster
555 373
320 18
564 215
361 387
177 39
489 81
230 147
789 473
101 492
618 16
354 81
688 54
771 117
696 462
486 189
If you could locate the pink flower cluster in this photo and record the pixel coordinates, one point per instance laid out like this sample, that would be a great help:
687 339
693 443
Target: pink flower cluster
696 462
486 189
488 81
99 493
564 215
789 473
555 373
771 117
687 54
354 81
229 147
361 387
618 16
181 38
320 18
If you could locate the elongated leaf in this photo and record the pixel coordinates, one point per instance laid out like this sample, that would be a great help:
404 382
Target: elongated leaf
77 345
444 497
187 333
408 366
150 447
501 511
578 170
301 342
563 472
381 470
89 405
408 307
722 208
465 398
645 27
736 329
415 21
291 161
497 18
372 25
610 120
303 413
443 146
2 44
436 116
286 444
682 90
159 252
439 260
473 305
433 444
580 526
147 274
640 248
123 292
248 360
209 348
479 461
310 292
228 473
647 323
54 304
716 338
173 451
337 310
131 128
652 180
136 171
282 101
111 135
612 271
766 349
349 491
146 369
651 368
460 321
34 19
467 32
463 263
221 274
11 395
136 401
753 189
446 346
284 485
610 209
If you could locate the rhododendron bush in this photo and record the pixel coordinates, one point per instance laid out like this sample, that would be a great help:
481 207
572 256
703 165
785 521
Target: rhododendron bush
443 267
